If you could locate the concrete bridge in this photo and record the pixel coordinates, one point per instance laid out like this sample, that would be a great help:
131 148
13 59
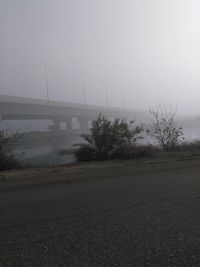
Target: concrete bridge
19 108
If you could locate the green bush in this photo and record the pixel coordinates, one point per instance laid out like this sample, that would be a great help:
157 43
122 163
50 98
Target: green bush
107 138
84 153
8 142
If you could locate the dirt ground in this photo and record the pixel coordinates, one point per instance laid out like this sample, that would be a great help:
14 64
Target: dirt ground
75 172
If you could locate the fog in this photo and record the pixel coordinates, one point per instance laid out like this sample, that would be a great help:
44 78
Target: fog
132 54
145 52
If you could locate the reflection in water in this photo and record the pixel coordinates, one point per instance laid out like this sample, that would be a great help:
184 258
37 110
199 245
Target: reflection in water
42 156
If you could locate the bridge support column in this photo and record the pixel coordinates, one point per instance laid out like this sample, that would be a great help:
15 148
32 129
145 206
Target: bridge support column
69 123
83 124
56 125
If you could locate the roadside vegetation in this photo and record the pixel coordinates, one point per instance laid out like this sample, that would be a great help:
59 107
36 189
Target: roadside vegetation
164 129
109 139
120 139
8 142
116 139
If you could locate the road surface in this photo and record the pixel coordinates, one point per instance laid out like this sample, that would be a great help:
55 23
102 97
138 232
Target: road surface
145 215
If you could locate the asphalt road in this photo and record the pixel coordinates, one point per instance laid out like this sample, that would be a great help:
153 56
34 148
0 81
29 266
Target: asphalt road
149 217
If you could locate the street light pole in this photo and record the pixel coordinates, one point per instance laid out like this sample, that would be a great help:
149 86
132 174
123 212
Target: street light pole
106 93
124 101
84 88
46 78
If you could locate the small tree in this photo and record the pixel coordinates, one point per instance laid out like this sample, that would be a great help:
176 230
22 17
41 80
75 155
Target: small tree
165 130
105 137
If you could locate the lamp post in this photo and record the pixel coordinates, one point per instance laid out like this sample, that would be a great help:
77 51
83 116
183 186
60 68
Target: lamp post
106 93
46 78
84 88
124 101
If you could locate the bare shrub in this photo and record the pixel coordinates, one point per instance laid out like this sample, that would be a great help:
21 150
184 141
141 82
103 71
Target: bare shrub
165 130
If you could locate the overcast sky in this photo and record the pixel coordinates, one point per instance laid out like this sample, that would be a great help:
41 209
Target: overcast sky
146 51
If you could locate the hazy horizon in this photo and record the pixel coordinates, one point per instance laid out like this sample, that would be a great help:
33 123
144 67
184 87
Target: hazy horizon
145 52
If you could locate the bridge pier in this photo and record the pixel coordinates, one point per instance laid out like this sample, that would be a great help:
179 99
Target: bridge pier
56 125
61 124
69 123
83 124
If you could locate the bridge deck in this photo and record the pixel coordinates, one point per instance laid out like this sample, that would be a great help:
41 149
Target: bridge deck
18 108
